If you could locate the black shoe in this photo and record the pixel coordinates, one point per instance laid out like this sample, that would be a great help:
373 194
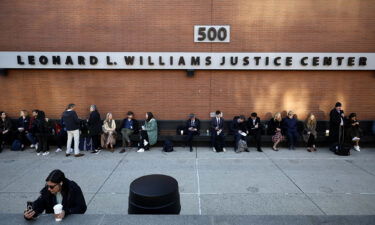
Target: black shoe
259 150
94 151
67 155
191 149
122 150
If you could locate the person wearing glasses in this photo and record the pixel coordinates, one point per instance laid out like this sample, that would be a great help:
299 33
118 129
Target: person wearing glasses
58 190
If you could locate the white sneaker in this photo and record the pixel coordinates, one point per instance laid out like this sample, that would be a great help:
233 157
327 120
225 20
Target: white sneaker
98 151
224 150
38 154
45 153
357 148
141 150
58 150
213 149
32 146
36 146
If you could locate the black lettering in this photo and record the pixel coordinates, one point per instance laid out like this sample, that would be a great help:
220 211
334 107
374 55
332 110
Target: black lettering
195 61
93 60
161 61
56 60
81 60
362 61
267 61
288 61
109 61
339 60
246 61
150 62
171 60
31 59
208 60
19 60
181 61
315 61
257 58
129 60
43 60
303 61
276 61
351 61
68 60
140 60
233 60
327 61
222 61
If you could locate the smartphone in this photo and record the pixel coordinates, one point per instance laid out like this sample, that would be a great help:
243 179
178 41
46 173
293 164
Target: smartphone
29 205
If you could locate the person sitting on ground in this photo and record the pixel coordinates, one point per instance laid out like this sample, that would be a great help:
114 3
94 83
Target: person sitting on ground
193 126
95 128
108 139
217 132
274 127
149 133
290 126
353 131
239 129
5 130
309 133
128 127
255 129
23 128
58 190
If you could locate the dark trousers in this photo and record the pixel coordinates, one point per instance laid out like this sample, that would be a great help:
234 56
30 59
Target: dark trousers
217 139
21 135
31 138
311 141
95 141
144 136
61 139
189 137
237 138
257 136
5 138
292 138
43 142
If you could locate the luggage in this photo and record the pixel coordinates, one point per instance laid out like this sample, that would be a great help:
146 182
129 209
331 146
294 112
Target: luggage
242 146
16 145
168 146
85 144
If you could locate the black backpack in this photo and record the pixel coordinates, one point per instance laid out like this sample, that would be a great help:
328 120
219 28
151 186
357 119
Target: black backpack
168 146
342 150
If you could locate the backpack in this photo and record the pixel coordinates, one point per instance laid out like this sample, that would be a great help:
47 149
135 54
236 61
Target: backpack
242 146
168 146
16 145
342 150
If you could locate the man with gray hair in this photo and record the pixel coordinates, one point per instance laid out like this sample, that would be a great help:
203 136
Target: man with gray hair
72 126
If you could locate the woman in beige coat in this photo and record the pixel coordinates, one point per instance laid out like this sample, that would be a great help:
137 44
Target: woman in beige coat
309 132
108 139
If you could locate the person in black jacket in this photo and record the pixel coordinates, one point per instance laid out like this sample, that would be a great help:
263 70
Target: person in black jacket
23 128
95 128
5 130
336 125
217 132
58 190
255 129
193 126
72 124
128 127
43 130
239 129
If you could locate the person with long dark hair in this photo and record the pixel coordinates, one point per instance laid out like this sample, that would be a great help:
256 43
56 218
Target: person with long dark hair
42 132
149 133
95 128
5 130
58 190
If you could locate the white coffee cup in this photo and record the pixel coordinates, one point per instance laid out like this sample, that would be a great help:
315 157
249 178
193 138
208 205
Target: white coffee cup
57 210
182 132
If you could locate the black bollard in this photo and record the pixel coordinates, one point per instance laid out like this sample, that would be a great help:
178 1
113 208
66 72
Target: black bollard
154 194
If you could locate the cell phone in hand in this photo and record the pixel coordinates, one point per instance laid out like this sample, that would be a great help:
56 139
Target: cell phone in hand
29 205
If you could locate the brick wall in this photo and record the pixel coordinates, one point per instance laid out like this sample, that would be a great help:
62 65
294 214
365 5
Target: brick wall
256 26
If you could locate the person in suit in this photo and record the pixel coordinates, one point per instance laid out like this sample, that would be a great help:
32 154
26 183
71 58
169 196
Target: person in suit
275 129
353 131
239 129
255 130
95 128
290 126
149 133
5 130
336 126
108 139
193 126
128 127
309 133
217 131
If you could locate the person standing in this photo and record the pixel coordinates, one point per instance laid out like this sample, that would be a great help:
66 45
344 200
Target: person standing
336 126
149 133
5 130
290 126
95 127
128 127
274 128
193 126
217 132
255 130
309 133
72 123
43 130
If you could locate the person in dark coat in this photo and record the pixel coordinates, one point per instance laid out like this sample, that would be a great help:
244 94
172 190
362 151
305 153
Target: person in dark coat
290 127
58 190
238 128
95 128
72 124
193 126
31 136
43 130
23 128
353 131
217 132
254 127
5 130
336 126
128 127
275 129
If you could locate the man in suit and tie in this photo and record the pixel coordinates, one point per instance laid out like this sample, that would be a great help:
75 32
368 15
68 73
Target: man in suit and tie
217 132
255 129
336 126
193 126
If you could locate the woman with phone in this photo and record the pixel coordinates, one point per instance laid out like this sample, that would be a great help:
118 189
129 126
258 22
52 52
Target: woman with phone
58 191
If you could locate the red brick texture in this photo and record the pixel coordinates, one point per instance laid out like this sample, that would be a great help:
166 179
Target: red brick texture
167 25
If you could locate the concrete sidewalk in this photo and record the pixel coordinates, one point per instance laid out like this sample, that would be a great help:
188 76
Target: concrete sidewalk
269 183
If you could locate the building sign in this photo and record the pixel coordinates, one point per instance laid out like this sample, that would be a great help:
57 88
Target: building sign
187 60
209 33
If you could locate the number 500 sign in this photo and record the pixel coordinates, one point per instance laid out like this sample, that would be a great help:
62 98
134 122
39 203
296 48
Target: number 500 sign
204 33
